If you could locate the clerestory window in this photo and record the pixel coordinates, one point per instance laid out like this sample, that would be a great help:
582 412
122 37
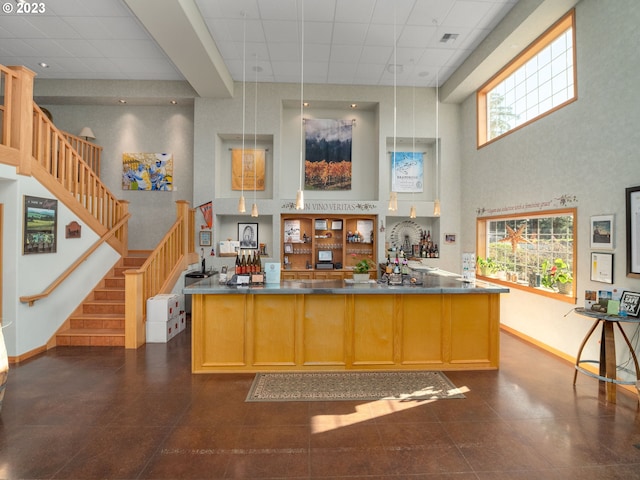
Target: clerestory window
537 82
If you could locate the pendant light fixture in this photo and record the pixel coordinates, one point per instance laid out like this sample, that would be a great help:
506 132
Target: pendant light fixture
436 202
254 207
393 196
412 210
300 194
241 205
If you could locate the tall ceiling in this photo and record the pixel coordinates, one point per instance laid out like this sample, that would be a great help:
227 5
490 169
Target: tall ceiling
347 42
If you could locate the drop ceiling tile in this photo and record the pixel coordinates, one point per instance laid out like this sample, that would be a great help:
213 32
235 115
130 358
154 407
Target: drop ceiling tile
127 48
280 9
289 52
349 33
276 31
466 13
345 54
356 11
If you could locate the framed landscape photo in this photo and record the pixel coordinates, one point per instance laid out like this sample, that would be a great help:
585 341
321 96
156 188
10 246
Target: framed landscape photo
633 231
602 232
630 303
40 225
248 235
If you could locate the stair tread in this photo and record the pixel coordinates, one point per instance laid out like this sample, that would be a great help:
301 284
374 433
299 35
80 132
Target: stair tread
105 316
92 331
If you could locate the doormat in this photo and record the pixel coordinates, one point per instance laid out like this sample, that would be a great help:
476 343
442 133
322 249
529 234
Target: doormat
335 386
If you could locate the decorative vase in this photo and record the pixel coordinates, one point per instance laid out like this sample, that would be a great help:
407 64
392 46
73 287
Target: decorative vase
360 277
565 288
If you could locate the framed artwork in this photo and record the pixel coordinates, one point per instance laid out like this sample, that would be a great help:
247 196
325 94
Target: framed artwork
602 267
205 238
450 238
248 235
247 170
633 232
602 232
336 224
40 225
630 303
288 248
321 224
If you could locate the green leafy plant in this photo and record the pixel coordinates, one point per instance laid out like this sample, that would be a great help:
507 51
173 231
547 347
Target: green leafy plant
554 273
362 266
487 266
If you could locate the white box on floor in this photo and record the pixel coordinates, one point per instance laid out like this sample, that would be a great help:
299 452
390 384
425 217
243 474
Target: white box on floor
160 332
163 307
183 320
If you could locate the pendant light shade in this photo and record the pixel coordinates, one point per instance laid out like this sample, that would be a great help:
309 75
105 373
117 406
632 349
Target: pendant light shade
412 212
254 210
300 200
393 201
436 208
241 205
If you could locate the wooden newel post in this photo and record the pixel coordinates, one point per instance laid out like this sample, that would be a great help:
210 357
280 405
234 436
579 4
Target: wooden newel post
182 214
22 117
124 233
134 321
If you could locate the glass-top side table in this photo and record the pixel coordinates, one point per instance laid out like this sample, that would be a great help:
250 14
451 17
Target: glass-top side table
608 370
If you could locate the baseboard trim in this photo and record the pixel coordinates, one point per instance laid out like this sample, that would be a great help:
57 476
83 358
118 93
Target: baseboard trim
27 355
558 353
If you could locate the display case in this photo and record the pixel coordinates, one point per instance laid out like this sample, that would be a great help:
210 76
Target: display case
326 246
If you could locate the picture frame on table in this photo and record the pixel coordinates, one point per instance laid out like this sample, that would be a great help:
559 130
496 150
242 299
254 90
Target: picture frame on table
633 231
602 232
602 267
205 238
630 303
248 235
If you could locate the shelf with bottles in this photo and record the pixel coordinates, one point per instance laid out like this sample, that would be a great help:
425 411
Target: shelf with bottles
415 237
360 238
248 262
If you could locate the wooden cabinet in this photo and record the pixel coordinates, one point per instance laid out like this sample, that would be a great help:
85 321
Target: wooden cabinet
326 246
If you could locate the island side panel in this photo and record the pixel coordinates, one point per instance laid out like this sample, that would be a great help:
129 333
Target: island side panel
273 327
374 330
422 330
218 332
324 330
474 324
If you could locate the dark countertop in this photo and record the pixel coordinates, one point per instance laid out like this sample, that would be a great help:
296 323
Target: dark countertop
431 284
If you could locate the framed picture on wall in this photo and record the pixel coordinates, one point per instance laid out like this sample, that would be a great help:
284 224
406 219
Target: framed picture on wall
205 238
602 232
40 225
602 267
633 231
248 235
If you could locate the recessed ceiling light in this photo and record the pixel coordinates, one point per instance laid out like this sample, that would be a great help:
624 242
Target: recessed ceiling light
173 102
122 100
44 65
305 104
354 105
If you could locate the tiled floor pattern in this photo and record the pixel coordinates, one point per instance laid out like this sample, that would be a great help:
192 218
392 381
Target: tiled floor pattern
109 413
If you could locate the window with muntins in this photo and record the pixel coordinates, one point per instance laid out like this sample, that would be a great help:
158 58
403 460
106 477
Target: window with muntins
540 80
535 252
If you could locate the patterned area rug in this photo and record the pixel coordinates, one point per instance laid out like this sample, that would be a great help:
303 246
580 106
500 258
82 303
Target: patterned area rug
332 386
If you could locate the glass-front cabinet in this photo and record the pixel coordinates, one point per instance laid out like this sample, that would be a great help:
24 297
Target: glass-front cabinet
326 246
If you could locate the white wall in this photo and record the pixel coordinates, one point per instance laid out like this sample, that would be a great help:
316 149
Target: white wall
138 129
27 328
588 149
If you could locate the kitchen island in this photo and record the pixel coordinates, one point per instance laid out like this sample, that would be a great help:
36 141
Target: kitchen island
441 323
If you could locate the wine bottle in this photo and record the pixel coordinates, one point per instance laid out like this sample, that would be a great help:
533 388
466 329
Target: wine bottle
238 271
243 264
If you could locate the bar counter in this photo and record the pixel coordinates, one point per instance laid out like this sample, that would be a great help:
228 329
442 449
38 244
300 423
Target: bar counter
322 325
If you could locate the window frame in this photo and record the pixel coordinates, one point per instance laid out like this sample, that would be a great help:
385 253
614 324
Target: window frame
544 40
481 247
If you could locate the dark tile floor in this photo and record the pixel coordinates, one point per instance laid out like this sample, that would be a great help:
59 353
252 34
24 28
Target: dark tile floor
109 413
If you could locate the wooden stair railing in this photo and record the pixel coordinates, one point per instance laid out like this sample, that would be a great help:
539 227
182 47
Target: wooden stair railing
31 299
89 152
159 273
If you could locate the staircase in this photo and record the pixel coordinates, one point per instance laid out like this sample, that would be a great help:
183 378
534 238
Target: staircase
100 319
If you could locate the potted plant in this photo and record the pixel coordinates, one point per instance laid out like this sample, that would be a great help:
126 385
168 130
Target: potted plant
361 271
486 266
557 275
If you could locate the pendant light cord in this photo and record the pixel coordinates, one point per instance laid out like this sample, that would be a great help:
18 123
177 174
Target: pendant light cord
395 87
301 93
244 68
